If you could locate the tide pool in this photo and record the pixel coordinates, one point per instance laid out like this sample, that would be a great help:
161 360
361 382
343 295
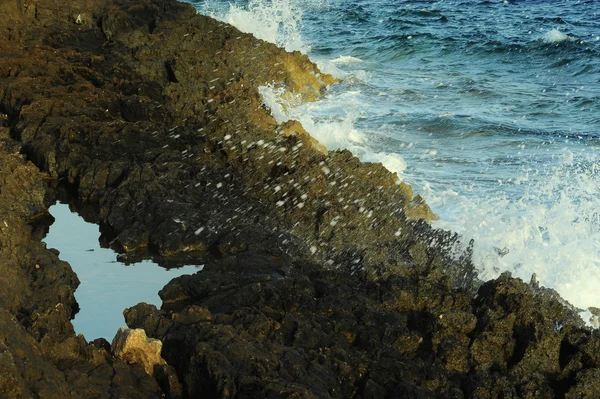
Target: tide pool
107 286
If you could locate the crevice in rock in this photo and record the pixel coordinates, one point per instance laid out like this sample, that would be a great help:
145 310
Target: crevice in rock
319 220
422 322
562 386
170 72
152 26
524 335
567 351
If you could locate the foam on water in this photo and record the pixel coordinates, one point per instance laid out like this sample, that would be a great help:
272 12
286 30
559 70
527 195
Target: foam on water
332 67
591 319
276 21
346 59
552 230
279 22
555 36
334 132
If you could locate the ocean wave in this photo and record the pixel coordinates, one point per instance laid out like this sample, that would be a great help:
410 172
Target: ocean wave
587 69
546 135
346 59
334 132
552 229
556 36
276 21
554 53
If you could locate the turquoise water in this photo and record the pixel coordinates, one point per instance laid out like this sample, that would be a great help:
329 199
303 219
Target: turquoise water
489 109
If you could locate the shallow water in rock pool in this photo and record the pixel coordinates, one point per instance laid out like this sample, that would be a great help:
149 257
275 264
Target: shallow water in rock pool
107 285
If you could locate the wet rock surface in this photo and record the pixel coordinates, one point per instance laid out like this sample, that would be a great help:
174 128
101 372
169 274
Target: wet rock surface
322 277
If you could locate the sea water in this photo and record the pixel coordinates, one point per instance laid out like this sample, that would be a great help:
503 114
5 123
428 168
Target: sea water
489 109
107 286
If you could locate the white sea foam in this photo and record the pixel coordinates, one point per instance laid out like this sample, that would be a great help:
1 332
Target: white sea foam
555 36
272 98
332 67
275 21
590 319
279 22
346 60
392 161
553 230
334 132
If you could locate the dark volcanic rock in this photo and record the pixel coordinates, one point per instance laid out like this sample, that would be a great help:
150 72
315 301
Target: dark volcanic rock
40 356
322 277
242 328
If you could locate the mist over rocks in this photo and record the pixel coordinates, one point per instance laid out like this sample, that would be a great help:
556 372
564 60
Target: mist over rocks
322 276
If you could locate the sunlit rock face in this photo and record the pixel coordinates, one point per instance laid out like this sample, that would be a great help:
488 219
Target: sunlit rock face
134 347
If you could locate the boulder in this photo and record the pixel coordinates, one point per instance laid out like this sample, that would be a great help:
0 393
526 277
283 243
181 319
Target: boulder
134 347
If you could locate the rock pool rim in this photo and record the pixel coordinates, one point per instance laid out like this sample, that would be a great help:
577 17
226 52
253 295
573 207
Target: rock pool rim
107 286
65 193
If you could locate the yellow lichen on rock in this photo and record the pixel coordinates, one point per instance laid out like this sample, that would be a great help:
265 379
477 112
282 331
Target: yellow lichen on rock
304 83
304 77
418 209
415 206
261 119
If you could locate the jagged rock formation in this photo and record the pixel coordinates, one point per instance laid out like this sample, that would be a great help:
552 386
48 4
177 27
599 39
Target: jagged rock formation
154 116
242 329
322 278
40 356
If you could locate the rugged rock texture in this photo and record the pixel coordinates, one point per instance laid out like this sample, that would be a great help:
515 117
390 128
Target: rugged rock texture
40 356
322 277
152 113
133 346
242 328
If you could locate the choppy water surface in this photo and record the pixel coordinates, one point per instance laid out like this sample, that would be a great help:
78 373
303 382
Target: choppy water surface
490 109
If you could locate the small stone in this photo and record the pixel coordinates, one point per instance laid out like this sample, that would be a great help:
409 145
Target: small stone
133 346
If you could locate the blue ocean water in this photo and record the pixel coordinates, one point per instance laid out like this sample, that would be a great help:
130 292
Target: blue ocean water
107 286
489 109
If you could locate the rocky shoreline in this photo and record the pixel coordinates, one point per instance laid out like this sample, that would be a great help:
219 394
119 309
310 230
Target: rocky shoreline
322 277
